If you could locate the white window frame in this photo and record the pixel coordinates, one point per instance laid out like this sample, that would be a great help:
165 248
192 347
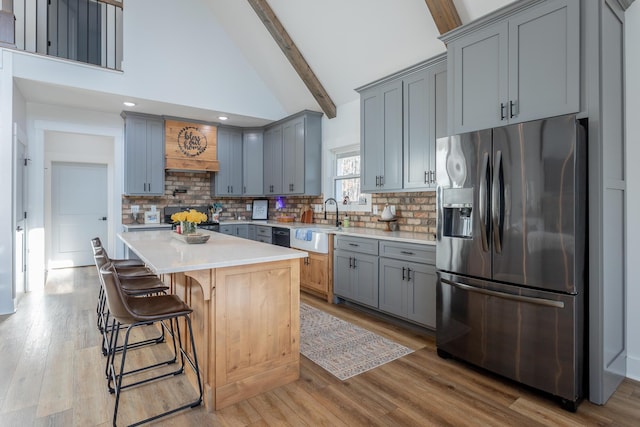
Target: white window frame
353 206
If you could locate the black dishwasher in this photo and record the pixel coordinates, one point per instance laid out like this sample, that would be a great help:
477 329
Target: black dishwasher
280 236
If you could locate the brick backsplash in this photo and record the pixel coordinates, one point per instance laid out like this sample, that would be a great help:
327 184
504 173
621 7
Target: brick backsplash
415 211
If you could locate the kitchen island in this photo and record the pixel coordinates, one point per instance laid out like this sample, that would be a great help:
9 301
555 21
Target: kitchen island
246 308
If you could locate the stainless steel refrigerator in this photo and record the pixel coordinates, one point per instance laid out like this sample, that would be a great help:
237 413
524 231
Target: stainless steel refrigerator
511 247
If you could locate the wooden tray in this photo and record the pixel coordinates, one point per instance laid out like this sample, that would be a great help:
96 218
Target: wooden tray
191 238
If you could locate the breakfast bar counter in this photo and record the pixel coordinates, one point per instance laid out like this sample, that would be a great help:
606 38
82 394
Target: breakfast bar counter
246 308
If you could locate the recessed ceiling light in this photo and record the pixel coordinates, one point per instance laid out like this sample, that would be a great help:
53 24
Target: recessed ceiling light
129 103
223 118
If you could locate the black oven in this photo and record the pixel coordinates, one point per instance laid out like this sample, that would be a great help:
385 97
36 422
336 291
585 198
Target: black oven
280 236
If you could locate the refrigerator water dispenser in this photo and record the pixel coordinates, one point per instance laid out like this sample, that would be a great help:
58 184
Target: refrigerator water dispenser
458 213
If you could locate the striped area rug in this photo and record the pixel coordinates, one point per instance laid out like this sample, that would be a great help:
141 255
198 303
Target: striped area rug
342 348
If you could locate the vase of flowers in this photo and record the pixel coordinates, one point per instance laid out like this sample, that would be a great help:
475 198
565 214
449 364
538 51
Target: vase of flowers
188 220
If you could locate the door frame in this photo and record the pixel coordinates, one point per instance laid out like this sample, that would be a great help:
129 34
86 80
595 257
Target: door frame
20 137
40 181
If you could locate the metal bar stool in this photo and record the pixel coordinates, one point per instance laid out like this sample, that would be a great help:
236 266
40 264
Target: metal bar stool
133 285
136 311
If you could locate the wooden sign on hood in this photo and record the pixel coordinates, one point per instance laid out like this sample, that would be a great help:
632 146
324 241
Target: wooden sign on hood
190 146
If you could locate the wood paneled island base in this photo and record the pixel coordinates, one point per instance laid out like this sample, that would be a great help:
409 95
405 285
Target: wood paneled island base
247 325
246 320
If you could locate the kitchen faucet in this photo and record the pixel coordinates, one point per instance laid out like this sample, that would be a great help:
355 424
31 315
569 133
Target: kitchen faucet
325 210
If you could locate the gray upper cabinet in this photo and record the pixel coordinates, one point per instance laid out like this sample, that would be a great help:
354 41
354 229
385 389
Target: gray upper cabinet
425 120
228 180
401 117
381 131
143 154
292 155
521 67
252 163
273 161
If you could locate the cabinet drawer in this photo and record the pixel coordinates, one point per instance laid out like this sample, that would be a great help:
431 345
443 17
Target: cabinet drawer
263 231
357 244
408 251
228 229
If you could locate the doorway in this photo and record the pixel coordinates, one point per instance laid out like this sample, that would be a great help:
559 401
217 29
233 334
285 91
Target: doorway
79 206
20 215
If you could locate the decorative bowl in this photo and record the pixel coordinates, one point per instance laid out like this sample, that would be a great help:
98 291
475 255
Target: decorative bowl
192 238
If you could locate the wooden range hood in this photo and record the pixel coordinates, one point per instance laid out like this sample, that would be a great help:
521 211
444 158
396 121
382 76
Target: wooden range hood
190 146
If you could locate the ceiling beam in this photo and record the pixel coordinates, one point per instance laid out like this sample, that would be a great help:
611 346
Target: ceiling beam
625 3
444 14
280 35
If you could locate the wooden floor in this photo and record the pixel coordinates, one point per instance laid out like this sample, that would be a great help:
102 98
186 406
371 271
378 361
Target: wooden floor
52 375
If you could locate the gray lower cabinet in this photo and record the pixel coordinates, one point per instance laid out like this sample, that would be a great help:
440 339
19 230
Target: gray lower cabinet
228 180
238 230
355 265
143 154
263 234
252 163
520 66
408 290
251 232
408 281
397 278
356 277
292 155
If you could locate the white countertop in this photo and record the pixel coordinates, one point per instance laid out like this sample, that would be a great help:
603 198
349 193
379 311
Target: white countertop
165 254
372 233
128 227
398 236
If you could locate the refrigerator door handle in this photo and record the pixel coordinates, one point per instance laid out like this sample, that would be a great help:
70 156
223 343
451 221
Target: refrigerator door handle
497 294
482 201
495 202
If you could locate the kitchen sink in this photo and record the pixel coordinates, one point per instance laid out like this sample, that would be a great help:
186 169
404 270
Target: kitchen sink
311 239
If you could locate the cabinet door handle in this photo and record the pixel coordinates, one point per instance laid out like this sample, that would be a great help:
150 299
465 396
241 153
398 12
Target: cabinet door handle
377 180
407 253
244 189
511 114
408 274
503 107
354 262
403 271
350 262
354 244
381 180
427 176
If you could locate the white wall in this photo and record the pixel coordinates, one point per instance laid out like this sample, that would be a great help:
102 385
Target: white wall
632 35
6 197
344 130
45 124
179 55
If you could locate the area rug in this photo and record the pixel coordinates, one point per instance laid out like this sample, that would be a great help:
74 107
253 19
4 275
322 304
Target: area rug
342 348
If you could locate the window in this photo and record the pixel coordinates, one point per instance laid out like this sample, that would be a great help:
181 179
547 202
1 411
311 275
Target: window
346 181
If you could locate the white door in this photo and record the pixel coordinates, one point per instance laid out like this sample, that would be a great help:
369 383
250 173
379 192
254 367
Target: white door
78 212
20 217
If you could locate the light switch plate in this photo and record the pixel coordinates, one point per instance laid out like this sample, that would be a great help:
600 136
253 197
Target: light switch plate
135 208
375 209
248 207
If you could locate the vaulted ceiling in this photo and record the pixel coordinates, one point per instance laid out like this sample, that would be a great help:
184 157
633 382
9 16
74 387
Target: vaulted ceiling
345 43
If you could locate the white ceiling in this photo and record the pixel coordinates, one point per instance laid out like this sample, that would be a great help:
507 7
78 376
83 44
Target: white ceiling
347 43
